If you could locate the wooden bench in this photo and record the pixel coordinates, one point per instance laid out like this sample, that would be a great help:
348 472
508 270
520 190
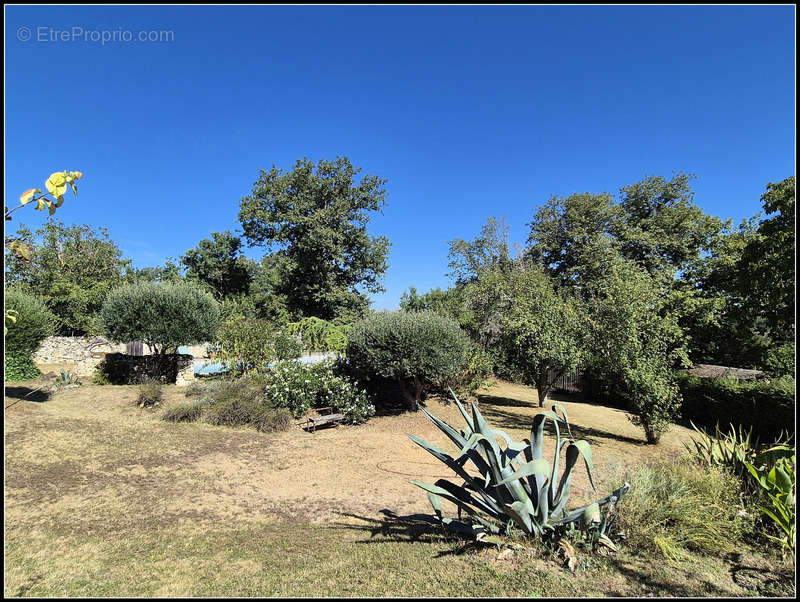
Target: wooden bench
320 418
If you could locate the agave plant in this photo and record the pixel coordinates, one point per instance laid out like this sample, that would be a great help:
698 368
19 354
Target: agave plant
516 485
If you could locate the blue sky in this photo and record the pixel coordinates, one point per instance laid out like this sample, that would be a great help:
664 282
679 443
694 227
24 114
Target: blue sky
468 112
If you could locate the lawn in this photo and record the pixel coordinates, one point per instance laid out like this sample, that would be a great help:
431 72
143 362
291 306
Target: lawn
103 498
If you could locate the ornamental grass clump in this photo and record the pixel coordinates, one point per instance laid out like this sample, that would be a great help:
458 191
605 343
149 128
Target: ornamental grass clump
517 488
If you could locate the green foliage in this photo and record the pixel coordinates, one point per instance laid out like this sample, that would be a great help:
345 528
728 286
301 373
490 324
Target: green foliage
780 360
634 347
319 335
33 322
246 344
419 350
241 402
20 366
489 251
474 375
218 262
66 379
149 394
774 471
516 486
766 407
539 327
163 315
298 387
72 269
673 507
729 449
448 303
287 347
315 217
188 411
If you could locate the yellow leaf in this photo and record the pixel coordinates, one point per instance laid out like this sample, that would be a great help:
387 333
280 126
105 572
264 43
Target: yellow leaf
57 183
40 204
28 195
76 174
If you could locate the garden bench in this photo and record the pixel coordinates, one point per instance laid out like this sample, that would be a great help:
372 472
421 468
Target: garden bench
320 418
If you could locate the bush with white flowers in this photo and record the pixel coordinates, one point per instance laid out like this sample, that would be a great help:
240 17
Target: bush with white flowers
299 387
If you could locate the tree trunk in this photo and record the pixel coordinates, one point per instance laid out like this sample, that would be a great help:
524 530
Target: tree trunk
409 396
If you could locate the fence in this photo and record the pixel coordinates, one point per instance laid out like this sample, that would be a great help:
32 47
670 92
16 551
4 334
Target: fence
571 381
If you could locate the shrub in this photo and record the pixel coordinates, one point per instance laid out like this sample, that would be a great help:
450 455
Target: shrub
233 403
287 347
272 419
187 411
475 374
149 394
163 315
319 335
419 350
246 343
298 387
20 366
673 507
34 322
766 406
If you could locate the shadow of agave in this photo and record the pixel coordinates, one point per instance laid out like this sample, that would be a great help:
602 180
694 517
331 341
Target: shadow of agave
412 528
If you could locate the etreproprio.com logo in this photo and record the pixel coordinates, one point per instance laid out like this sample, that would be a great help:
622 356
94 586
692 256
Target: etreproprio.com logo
45 33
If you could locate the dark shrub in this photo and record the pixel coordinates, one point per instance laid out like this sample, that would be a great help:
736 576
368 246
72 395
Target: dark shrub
34 322
268 420
163 315
766 405
420 351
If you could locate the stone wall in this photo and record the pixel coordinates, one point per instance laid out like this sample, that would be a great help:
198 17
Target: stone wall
82 354
74 354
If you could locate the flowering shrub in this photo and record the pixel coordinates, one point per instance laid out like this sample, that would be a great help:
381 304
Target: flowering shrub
299 387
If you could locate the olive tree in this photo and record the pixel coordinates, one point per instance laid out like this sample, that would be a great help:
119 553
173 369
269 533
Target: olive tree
162 315
416 349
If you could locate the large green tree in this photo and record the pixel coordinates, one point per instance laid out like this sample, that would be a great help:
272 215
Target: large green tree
467 260
218 262
72 268
314 220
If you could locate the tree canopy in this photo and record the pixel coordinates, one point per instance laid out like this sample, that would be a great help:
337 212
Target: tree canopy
314 221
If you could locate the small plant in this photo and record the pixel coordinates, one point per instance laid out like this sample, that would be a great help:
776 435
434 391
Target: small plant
187 411
66 379
233 403
150 394
775 476
731 449
517 487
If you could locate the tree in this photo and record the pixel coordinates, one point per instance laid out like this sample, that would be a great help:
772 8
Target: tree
448 302
569 237
72 268
314 219
766 268
659 227
164 316
489 250
219 263
635 346
541 328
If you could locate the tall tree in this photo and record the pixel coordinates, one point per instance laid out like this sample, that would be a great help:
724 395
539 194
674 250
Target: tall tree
72 268
314 220
469 259
218 262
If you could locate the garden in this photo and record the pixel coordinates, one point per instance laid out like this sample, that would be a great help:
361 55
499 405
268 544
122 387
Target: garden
459 465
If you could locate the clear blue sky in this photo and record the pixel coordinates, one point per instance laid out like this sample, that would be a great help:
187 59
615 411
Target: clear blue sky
468 112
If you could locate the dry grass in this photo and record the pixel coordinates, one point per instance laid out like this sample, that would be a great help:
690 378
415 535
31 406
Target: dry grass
103 498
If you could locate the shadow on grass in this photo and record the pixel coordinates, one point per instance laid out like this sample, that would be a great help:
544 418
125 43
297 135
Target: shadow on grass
504 419
18 394
413 528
